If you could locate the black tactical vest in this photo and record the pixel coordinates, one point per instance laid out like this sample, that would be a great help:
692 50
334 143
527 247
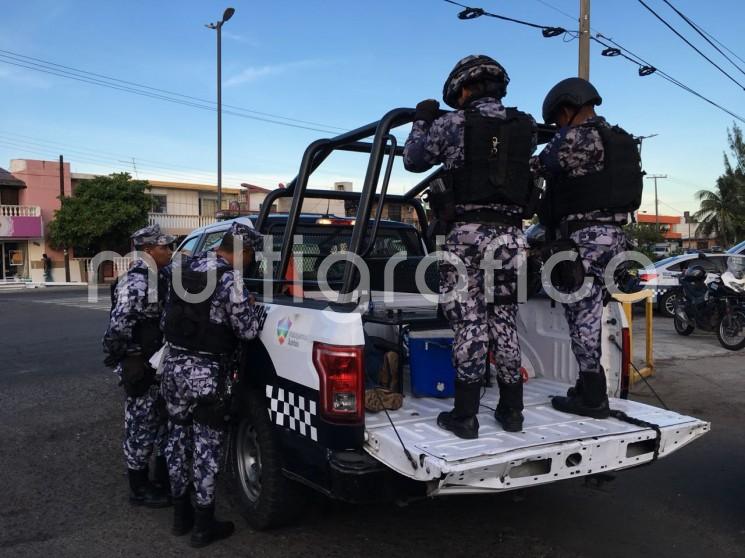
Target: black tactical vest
188 325
615 189
146 332
497 153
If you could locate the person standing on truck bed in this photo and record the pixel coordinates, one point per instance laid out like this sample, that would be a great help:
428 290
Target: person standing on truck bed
132 337
202 337
594 179
485 150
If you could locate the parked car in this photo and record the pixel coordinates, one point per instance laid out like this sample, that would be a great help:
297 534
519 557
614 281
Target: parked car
664 279
737 249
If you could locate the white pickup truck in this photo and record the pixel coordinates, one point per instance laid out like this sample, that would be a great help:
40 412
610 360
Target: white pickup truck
298 392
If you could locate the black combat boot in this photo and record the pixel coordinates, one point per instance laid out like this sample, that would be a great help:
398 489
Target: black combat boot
142 493
183 515
590 401
207 529
462 420
161 480
509 412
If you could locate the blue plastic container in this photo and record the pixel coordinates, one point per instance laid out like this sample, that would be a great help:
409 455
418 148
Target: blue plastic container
430 363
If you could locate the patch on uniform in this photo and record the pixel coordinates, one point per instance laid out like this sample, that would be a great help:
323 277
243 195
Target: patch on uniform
296 412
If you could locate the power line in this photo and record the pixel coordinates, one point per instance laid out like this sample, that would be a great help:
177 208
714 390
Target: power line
704 34
472 13
159 90
690 44
645 68
145 91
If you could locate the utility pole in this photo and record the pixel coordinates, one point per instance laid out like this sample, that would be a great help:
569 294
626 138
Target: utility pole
656 206
584 39
61 196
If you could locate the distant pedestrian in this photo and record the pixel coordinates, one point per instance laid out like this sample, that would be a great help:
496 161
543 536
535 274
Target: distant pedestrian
46 263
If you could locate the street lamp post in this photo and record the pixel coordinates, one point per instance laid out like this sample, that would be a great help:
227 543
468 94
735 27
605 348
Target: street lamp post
218 26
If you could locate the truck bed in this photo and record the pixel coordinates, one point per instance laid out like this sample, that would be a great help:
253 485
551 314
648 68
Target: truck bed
552 446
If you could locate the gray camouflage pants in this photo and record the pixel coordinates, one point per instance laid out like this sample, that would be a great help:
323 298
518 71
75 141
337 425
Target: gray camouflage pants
480 326
143 429
597 245
192 447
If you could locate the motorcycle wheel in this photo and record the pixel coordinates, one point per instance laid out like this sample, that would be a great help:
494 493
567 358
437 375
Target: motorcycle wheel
681 328
731 330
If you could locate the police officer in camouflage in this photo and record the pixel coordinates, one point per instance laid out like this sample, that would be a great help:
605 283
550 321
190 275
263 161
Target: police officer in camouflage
593 180
132 337
201 337
484 149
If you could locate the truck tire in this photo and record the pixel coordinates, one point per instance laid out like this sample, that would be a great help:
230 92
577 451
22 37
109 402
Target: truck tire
265 497
666 303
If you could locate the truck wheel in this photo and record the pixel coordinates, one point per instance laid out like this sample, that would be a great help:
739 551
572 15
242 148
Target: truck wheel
666 303
266 497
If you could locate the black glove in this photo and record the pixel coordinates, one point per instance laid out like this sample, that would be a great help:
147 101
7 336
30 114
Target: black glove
427 110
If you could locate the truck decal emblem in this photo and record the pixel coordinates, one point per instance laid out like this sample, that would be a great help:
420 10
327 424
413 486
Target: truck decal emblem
283 328
293 411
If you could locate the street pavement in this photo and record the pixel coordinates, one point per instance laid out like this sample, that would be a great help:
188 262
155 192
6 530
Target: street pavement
63 488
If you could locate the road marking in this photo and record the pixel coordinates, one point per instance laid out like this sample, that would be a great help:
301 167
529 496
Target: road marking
75 303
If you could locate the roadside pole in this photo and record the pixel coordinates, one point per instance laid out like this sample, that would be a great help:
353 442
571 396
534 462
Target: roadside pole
61 196
584 39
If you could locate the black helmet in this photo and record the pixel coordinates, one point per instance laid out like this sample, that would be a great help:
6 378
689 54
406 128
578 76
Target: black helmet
574 91
472 69
695 273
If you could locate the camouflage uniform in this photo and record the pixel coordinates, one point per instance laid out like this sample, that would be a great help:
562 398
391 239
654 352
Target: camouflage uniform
478 325
578 151
189 376
142 427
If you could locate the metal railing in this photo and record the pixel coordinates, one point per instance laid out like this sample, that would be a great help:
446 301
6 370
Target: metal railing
170 222
627 301
20 211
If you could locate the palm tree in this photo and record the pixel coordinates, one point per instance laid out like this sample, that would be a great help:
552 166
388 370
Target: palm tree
722 211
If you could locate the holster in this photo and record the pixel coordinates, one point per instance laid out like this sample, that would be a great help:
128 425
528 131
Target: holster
213 412
567 276
137 375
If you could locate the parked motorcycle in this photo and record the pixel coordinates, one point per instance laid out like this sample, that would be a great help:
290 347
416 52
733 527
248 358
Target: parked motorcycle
718 307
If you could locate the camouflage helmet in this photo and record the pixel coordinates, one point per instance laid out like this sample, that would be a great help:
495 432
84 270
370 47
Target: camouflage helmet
574 91
472 69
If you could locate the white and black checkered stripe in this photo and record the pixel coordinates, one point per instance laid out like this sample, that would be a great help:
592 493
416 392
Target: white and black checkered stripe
293 411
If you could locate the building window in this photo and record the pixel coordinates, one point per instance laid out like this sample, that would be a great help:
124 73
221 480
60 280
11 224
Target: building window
8 196
159 203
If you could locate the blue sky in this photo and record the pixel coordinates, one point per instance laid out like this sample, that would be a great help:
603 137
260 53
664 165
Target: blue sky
339 64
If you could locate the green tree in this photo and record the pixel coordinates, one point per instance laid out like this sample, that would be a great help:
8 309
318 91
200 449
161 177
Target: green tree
722 211
644 236
101 214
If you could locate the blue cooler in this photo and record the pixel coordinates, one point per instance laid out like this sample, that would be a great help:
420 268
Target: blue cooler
430 363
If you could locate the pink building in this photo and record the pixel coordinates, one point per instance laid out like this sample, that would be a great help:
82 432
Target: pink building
21 225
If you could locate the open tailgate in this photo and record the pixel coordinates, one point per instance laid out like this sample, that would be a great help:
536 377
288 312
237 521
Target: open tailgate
552 446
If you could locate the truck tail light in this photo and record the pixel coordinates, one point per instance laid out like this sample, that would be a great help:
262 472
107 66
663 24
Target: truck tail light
647 277
625 362
341 373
